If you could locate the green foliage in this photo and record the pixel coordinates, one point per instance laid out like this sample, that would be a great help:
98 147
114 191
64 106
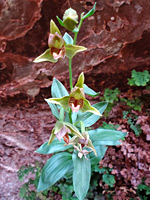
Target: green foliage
55 168
132 118
143 191
25 191
81 175
110 126
111 97
133 103
139 78
107 178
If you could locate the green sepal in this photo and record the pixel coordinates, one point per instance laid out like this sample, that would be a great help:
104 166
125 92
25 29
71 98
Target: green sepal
55 168
90 13
54 28
73 129
80 81
81 175
54 147
46 56
60 21
64 101
58 127
71 50
52 137
68 39
89 91
88 108
90 146
89 118
100 150
70 24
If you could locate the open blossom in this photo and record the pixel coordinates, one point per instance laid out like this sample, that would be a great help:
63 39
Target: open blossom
80 143
58 47
76 99
62 130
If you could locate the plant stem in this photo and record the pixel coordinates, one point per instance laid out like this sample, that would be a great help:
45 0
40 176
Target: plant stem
61 115
70 73
76 34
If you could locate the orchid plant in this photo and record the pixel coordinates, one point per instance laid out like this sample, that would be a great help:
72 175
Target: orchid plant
75 147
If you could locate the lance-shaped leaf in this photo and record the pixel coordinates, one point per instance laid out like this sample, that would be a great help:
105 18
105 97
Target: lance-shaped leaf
71 50
106 135
60 21
56 167
90 13
46 56
81 175
58 90
54 147
89 91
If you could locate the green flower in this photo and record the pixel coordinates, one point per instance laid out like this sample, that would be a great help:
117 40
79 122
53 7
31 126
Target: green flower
58 48
76 99
70 19
62 129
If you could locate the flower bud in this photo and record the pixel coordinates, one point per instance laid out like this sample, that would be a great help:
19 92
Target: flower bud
70 19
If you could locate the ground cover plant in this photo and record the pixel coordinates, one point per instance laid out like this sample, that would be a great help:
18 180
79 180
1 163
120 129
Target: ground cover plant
76 149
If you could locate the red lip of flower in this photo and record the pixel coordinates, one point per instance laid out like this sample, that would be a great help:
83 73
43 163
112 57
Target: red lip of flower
58 47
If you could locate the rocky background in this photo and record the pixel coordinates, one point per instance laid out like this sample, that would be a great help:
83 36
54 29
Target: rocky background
118 40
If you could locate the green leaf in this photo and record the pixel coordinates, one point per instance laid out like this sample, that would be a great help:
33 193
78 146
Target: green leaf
90 13
68 39
106 135
55 168
139 78
109 143
54 147
54 28
54 109
109 179
89 91
81 175
60 21
46 56
89 118
100 150
58 90
71 50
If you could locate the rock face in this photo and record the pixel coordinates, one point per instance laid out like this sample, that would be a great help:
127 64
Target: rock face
117 38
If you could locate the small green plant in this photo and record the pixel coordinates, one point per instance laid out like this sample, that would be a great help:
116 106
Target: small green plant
139 78
143 191
107 178
132 119
136 103
111 97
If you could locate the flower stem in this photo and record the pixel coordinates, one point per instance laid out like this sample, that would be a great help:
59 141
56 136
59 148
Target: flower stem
76 34
61 115
70 73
